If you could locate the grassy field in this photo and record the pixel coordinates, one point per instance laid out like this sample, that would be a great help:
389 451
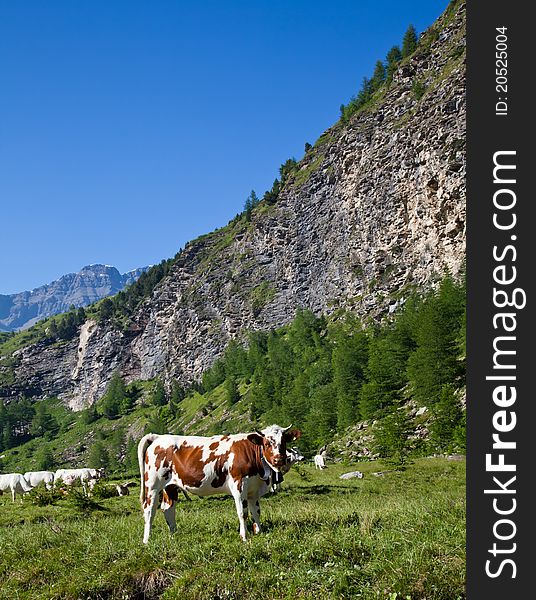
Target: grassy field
400 536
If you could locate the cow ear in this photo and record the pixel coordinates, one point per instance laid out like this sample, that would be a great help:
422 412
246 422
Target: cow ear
255 438
294 434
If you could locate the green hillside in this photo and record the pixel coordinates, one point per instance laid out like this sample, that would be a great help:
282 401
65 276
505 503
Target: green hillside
324 375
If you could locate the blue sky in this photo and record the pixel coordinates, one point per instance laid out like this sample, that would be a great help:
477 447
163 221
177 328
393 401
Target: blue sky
129 127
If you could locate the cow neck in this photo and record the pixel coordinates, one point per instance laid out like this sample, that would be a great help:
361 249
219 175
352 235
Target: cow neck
266 465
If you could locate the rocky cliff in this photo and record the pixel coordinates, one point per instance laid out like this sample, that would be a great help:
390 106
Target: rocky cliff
91 283
377 205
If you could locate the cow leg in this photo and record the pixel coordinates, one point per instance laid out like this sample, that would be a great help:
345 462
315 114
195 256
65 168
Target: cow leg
169 514
241 504
149 510
168 507
255 510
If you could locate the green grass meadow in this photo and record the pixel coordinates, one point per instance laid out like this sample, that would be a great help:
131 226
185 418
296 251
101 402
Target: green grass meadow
400 536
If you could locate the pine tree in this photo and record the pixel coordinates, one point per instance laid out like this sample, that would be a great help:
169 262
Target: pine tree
115 445
389 350
270 197
321 421
378 77
52 330
296 401
248 209
158 396
43 422
81 316
98 456
231 390
67 326
435 361
45 459
287 168
132 394
113 399
89 414
156 425
178 393
8 439
447 419
394 56
106 309
409 42
214 376
349 359
131 456
392 438
252 201
235 361
4 416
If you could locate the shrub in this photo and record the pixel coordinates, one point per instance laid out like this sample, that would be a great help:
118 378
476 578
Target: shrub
418 88
40 496
392 438
82 502
102 491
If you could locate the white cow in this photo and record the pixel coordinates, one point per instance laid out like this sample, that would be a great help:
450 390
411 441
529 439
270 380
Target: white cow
87 477
319 461
14 482
34 478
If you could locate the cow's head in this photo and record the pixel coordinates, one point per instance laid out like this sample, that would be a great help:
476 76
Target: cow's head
273 441
99 473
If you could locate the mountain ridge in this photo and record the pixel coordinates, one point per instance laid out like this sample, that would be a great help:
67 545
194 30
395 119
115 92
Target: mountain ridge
90 284
376 206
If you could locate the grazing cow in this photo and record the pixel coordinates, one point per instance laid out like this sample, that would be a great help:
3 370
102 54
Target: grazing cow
34 478
122 488
293 456
87 477
239 465
319 461
14 482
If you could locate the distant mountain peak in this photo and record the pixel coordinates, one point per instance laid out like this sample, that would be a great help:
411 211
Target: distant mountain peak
93 282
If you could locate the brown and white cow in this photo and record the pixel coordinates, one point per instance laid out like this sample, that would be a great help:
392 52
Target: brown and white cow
238 465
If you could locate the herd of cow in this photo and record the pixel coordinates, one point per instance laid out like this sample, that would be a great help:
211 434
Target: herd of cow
245 466
17 483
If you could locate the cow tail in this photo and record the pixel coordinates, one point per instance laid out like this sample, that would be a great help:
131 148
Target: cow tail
145 442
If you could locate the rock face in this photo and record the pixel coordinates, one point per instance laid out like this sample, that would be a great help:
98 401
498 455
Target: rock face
375 207
20 311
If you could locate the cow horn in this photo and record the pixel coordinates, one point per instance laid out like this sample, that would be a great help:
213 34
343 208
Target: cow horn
287 428
259 432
